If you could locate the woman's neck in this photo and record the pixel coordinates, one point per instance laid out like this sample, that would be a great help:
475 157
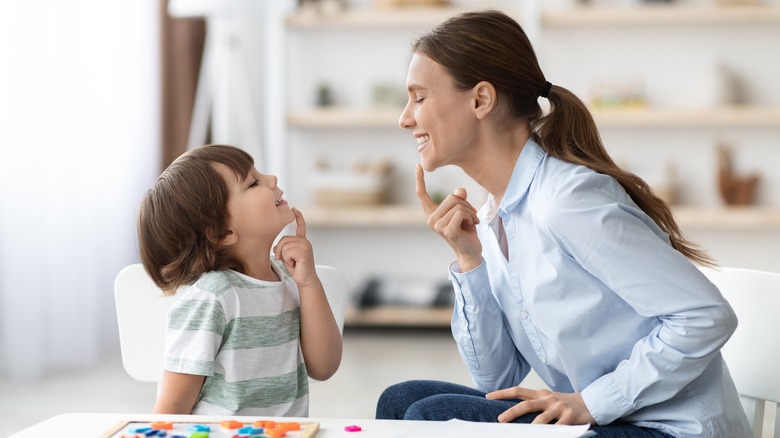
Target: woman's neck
494 161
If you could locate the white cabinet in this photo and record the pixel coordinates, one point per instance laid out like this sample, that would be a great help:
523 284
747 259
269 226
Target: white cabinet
673 50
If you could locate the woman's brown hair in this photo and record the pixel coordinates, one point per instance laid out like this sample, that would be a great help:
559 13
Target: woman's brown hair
491 46
183 217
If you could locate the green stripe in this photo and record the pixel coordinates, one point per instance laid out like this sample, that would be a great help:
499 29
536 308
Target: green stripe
255 393
197 315
219 282
263 331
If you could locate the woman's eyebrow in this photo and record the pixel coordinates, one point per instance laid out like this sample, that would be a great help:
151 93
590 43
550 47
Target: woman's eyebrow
415 87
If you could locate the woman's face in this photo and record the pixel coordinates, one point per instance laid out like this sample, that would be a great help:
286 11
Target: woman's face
440 116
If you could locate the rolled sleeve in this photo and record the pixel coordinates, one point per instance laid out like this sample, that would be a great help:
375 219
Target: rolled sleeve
479 331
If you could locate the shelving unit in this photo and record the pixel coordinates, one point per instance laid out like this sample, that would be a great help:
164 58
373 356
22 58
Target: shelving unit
361 120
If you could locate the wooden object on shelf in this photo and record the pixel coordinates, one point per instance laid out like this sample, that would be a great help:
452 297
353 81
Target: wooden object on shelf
734 189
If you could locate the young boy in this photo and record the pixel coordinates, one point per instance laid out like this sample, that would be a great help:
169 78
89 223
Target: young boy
254 322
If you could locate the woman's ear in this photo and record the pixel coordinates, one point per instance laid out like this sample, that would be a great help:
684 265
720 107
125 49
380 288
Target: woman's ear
484 99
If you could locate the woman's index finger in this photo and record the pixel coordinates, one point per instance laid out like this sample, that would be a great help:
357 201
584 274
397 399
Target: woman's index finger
422 194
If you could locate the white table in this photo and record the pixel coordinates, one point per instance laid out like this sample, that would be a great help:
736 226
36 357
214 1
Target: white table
97 425
105 425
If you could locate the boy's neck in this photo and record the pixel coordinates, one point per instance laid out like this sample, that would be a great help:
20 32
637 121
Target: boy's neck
260 268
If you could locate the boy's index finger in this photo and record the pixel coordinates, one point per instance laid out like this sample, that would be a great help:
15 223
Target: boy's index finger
300 223
422 194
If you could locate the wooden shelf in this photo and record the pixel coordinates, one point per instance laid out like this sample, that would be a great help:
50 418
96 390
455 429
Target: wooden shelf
399 316
390 215
729 218
578 16
345 117
726 116
718 218
661 15
372 18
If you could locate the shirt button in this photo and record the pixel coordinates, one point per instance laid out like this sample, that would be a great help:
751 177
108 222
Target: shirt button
524 315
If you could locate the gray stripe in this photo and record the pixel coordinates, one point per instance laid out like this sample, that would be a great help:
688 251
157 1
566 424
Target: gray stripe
219 282
263 331
255 393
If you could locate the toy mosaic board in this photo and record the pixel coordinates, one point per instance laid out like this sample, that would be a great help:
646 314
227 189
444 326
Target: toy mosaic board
222 429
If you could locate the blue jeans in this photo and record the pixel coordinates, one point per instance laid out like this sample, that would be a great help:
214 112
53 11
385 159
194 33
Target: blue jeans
441 401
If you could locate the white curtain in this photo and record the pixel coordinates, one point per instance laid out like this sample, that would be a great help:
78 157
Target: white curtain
79 142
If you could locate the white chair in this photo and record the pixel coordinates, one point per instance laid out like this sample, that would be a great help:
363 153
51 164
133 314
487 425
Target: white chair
753 354
142 311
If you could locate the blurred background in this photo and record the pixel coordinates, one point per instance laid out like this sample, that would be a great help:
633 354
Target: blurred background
97 97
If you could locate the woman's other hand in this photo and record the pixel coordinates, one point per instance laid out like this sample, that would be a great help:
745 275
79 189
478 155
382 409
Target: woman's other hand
554 407
454 220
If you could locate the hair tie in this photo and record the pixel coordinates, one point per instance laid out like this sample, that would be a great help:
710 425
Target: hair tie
546 90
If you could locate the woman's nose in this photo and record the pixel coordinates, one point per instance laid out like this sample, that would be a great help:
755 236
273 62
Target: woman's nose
406 121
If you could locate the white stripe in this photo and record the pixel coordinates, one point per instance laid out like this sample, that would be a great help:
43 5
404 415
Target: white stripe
192 344
296 408
254 363
259 302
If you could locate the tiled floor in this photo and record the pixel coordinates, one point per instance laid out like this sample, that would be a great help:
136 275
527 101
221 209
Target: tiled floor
372 361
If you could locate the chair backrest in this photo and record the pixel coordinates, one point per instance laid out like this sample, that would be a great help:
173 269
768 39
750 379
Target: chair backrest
142 311
753 354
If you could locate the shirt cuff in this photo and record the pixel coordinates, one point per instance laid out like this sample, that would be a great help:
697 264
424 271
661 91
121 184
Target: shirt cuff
604 401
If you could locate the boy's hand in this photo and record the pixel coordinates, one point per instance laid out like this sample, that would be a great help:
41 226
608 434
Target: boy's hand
296 253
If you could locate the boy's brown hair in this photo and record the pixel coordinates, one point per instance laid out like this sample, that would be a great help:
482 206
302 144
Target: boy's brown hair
184 217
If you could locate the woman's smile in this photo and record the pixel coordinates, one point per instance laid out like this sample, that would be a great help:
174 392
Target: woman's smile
422 141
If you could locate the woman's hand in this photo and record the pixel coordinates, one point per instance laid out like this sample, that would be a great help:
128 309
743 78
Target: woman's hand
296 253
455 220
566 408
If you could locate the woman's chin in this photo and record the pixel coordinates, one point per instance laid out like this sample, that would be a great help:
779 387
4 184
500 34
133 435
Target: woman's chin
428 165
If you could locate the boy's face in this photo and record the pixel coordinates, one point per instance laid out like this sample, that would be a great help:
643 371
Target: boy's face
257 213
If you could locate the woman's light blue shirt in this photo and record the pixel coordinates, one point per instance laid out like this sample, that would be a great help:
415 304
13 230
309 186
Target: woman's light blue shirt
595 300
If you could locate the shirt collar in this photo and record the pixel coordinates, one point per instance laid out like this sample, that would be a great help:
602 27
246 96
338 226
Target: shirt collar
525 168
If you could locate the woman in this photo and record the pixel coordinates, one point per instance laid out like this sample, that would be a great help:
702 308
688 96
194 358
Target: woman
572 268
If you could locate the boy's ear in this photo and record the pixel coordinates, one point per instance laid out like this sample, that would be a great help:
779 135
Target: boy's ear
229 238
484 99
